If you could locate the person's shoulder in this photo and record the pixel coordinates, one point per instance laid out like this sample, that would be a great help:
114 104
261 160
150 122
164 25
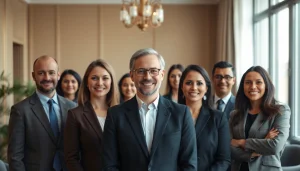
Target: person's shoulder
67 102
123 106
24 102
173 106
167 96
216 113
77 109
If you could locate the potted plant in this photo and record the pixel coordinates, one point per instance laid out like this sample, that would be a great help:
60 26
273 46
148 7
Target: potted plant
19 91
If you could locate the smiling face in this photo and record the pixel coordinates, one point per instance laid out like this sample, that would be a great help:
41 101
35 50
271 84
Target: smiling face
46 75
223 86
254 87
99 82
69 85
147 85
174 78
128 88
194 87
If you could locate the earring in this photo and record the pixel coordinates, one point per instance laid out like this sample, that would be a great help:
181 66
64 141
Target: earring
204 97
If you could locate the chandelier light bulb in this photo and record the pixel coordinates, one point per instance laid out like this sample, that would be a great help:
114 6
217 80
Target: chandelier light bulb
133 11
147 11
142 13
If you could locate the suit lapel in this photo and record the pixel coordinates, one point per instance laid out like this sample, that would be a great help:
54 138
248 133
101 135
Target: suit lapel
91 116
230 105
63 115
134 120
162 118
202 120
242 125
39 112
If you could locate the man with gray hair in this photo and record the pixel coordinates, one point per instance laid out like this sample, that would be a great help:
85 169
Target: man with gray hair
149 132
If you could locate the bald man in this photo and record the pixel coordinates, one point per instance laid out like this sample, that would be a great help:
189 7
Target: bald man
36 124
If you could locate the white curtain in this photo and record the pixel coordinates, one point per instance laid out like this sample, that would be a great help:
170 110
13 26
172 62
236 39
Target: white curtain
243 36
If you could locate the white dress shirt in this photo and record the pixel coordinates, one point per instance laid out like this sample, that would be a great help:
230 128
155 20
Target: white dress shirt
225 100
101 122
148 113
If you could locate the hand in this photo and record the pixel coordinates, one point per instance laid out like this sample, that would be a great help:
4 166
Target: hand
238 143
272 134
255 155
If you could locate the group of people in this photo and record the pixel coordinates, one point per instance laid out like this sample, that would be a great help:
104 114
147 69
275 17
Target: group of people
130 127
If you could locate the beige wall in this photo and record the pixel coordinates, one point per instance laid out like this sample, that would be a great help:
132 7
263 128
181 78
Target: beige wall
78 34
13 29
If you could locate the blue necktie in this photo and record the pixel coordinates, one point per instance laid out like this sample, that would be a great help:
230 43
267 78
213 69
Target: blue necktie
55 129
221 105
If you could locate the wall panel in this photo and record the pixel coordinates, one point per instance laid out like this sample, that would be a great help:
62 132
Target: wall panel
42 31
78 36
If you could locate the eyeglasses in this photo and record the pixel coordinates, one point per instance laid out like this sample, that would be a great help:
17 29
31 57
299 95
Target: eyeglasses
143 71
220 77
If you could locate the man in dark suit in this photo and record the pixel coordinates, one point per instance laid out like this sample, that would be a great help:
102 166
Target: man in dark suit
36 124
149 132
223 81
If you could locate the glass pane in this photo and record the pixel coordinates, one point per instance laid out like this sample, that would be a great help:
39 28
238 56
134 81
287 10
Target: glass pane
274 2
260 5
262 43
282 55
297 74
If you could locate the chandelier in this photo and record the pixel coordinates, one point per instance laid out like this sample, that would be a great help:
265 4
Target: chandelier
143 13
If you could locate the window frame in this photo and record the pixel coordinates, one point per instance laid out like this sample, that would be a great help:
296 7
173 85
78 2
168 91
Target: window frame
294 63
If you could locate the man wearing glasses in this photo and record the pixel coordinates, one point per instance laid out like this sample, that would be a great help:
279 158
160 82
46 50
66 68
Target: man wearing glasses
149 132
223 81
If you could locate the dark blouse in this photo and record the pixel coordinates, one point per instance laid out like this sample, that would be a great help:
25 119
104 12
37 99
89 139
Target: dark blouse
250 120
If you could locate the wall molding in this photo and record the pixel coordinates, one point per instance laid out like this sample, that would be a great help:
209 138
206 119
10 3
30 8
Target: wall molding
117 1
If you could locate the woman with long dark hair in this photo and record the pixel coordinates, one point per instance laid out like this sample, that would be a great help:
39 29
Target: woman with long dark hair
68 85
259 124
127 88
212 130
173 77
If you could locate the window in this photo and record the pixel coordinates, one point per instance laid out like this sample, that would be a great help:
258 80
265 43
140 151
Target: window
277 49
296 72
261 45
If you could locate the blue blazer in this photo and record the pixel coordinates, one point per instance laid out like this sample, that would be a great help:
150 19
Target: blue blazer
213 140
173 145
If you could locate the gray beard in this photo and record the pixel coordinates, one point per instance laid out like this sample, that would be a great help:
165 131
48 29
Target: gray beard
150 93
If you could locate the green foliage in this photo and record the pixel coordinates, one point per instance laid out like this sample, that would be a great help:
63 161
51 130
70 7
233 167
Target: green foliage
19 91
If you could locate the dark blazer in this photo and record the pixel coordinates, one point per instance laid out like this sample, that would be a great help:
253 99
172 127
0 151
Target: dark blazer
83 139
173 146
213 140
32 144
229 106
270 149
168 96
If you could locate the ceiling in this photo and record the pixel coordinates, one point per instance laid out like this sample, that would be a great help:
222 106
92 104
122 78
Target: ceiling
117 1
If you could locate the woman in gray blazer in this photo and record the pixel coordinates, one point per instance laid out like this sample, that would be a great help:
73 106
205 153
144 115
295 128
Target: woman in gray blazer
259 125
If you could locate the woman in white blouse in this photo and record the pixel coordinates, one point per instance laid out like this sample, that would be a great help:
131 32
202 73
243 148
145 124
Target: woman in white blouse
85 123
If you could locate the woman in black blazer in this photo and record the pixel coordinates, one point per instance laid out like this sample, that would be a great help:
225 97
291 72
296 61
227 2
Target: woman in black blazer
83 135
174 75
212 130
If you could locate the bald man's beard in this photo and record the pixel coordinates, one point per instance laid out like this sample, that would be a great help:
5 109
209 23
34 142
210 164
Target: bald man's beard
43 90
